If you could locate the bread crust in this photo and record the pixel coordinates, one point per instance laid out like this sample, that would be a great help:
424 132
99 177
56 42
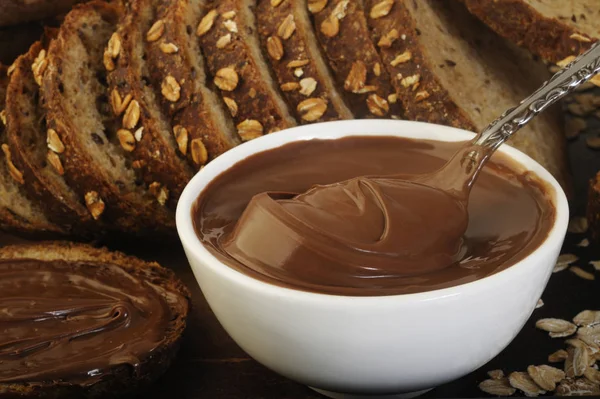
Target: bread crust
124 209
121 379
13 12
59 204
248 95
550 38
203 119
153 155
281 52
343 33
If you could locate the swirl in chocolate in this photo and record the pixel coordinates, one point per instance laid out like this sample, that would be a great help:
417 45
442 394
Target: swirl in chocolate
73 322
269 217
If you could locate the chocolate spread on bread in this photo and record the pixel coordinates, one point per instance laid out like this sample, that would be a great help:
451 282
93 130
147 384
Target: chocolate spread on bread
75 321
299 244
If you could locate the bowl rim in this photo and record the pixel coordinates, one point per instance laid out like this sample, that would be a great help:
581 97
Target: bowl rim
339 129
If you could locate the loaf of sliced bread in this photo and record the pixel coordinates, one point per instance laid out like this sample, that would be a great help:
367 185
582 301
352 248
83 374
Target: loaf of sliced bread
229 40
342 29
288 39
18 214
145 133
75 95
34 149
199 120
140 308
552 29
450 69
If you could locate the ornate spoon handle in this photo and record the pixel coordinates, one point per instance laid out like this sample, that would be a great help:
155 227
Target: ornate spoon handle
564 82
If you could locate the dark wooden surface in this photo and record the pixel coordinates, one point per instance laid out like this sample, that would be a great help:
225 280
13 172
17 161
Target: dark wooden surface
211 365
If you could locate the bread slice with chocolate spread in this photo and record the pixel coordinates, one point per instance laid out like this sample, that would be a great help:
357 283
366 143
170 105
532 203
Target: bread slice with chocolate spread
113 322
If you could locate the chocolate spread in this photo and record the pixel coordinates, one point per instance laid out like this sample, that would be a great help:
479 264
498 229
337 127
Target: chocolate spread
298 242
73 322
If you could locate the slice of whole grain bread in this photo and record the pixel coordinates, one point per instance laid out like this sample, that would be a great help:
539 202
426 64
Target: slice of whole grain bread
120 378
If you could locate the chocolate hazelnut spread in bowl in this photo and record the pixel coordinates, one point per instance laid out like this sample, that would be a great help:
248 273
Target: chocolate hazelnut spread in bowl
339 309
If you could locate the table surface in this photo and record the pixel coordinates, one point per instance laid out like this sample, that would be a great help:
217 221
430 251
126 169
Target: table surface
211 365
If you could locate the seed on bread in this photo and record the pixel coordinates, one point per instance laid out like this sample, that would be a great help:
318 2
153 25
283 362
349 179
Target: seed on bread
138 134
94 204
168 48
231 26
421 95
388 39
160 192
308 86
580 38
287 27
228 14
377 105
312 109
132 115
276 3
11 69
156 31
207 22
15 173
330 27
39 66
275 47
356 78
199 152
119 104
231 105
126 139
224 41
409 81
181 137
250 129
54 160
401 58
226 79
316 6
171 89
113 47
290 86
381 9
54 142
297 63
3 117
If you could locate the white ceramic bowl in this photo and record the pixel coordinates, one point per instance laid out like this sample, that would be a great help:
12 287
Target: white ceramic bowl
370 345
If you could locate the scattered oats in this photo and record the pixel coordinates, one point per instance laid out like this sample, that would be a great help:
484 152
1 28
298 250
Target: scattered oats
546 376
207 22
539 304
496 374
297 63
230 25
170 89
199 152
132 115
578 109
226 79
421 95
381 9
498 387
574 127
54 142
250 129
580 38
596 264
312 109
232 105
577 361
181 137
401 58
290 86
308 86
591 336
558 356
139 134
224 41
94 204
119 104
377 105
15 173
55 162
564 261
578 387
525 383
298 72
563 63
412 80
275 47
156 31
168 48
330 27
592 374
228 14
393 98
126 140
287 27
556 327
578 225
357 77
388 39
578 271
593 142
584 243
315 6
